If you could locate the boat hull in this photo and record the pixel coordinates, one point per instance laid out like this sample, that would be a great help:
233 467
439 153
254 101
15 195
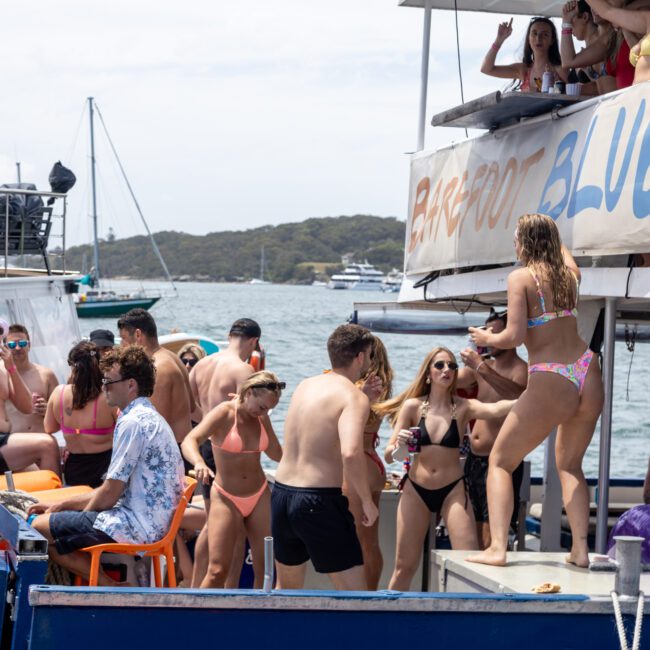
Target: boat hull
99 308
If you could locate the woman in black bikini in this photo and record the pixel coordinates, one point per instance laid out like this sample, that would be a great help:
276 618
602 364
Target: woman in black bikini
435 478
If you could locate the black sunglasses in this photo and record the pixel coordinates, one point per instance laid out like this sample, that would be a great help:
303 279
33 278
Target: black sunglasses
190 362
107 382
439 365
272 385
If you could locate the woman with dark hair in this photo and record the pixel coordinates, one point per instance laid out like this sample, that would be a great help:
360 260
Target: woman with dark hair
240 431
564 390
541 54
434 483
378 386
80 411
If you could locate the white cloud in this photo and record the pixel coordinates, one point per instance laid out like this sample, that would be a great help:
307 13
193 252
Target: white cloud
230 115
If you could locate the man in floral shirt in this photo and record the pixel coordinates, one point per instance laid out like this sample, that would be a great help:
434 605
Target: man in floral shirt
144 482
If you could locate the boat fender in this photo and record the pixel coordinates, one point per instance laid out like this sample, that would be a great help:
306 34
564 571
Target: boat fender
258 359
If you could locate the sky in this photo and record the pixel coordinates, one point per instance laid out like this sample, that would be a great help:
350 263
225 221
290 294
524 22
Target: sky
231 115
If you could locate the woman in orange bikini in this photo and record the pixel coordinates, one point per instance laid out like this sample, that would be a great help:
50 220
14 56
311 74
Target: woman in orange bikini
240 430
80 411
564 390
378 385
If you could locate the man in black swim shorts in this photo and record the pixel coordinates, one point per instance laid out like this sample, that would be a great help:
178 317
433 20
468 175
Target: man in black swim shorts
503 376
323 436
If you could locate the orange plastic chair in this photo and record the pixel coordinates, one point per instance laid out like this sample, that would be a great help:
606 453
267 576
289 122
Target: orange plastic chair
63 493
154 551
42 479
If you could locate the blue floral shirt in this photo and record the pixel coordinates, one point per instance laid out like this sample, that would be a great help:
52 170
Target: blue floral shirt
145 457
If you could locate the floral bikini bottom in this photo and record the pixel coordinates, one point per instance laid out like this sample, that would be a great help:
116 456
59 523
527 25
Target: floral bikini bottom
576 372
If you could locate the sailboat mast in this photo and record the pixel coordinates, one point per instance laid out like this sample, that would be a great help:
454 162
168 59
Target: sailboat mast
262 266
94 188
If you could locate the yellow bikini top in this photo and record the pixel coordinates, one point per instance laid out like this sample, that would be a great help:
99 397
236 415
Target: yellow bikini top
642 48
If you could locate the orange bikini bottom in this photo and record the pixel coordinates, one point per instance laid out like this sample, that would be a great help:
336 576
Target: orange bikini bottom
245 505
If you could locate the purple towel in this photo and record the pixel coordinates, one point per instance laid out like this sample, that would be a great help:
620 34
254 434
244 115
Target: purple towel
634 522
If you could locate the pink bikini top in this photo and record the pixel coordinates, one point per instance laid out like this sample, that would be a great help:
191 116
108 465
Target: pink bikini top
88 432
233 443
547 316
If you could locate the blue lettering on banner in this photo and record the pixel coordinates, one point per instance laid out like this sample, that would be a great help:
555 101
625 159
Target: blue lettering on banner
641 197
589 196
612 196
562 171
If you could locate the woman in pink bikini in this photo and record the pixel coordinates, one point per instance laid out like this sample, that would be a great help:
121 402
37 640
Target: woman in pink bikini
80 411
378 385
240 430
564 390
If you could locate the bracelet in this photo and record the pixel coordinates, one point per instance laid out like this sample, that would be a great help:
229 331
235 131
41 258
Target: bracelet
11 370
479 366
496 46
567 32
567 26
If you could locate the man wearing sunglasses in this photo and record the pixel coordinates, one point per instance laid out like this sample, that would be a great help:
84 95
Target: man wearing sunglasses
171 396
503 375
144 482
323 438
40 381
212 380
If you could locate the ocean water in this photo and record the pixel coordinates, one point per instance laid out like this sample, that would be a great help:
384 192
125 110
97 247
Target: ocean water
296 321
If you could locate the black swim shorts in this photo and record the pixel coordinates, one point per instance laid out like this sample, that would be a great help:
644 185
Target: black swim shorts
316 524
73 530
206 453
476 469
87 469
4 437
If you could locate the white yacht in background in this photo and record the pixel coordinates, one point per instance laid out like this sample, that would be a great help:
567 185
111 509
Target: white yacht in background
360 277
393 281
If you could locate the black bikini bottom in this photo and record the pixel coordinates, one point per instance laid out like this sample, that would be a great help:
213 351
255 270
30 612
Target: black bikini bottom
433 499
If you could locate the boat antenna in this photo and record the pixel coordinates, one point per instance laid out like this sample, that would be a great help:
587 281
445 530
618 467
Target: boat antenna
137 205
460 69
94 186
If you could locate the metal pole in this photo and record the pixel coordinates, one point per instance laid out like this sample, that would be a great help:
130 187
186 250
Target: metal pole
268 564
424 73
628 565
94 188
606 425
18 172
9 477
551 525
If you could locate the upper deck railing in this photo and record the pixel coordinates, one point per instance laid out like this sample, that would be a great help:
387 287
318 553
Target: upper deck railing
26 220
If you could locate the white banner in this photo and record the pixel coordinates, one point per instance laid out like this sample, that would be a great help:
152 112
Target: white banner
589 171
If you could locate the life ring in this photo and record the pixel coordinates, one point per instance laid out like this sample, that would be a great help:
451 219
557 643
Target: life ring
258 359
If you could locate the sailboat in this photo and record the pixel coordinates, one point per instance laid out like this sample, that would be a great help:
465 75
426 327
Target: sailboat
261 279
98 302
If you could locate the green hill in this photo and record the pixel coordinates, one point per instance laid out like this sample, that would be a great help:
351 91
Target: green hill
294 252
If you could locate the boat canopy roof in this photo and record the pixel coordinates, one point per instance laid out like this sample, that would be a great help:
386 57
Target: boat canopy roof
510 7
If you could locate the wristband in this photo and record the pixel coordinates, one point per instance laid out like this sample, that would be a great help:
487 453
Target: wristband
567 26
496 46
567 32
479 366
11 370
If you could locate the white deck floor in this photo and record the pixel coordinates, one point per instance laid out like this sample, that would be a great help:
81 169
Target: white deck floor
451 573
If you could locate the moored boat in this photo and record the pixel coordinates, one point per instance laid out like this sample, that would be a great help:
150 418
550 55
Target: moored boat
358 277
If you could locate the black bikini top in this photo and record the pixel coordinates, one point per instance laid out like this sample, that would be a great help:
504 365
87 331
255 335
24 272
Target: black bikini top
451 438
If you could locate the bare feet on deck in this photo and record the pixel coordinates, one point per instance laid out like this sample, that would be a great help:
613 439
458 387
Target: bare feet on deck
578 559
489 556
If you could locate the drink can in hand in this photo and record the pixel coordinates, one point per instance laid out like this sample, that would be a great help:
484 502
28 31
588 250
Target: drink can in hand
414 442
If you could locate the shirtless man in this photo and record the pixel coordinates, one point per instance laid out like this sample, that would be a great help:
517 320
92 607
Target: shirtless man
504 376
212 380
19 451
171 397
323 438
40 381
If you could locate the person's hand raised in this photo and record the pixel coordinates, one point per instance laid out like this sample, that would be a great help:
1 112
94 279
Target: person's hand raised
504 31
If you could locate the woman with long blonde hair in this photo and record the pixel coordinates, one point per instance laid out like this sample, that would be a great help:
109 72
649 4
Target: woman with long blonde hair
434 483
240 430
564 383
378 386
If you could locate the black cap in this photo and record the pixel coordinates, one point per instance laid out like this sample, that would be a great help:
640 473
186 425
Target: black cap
102 338
245 327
